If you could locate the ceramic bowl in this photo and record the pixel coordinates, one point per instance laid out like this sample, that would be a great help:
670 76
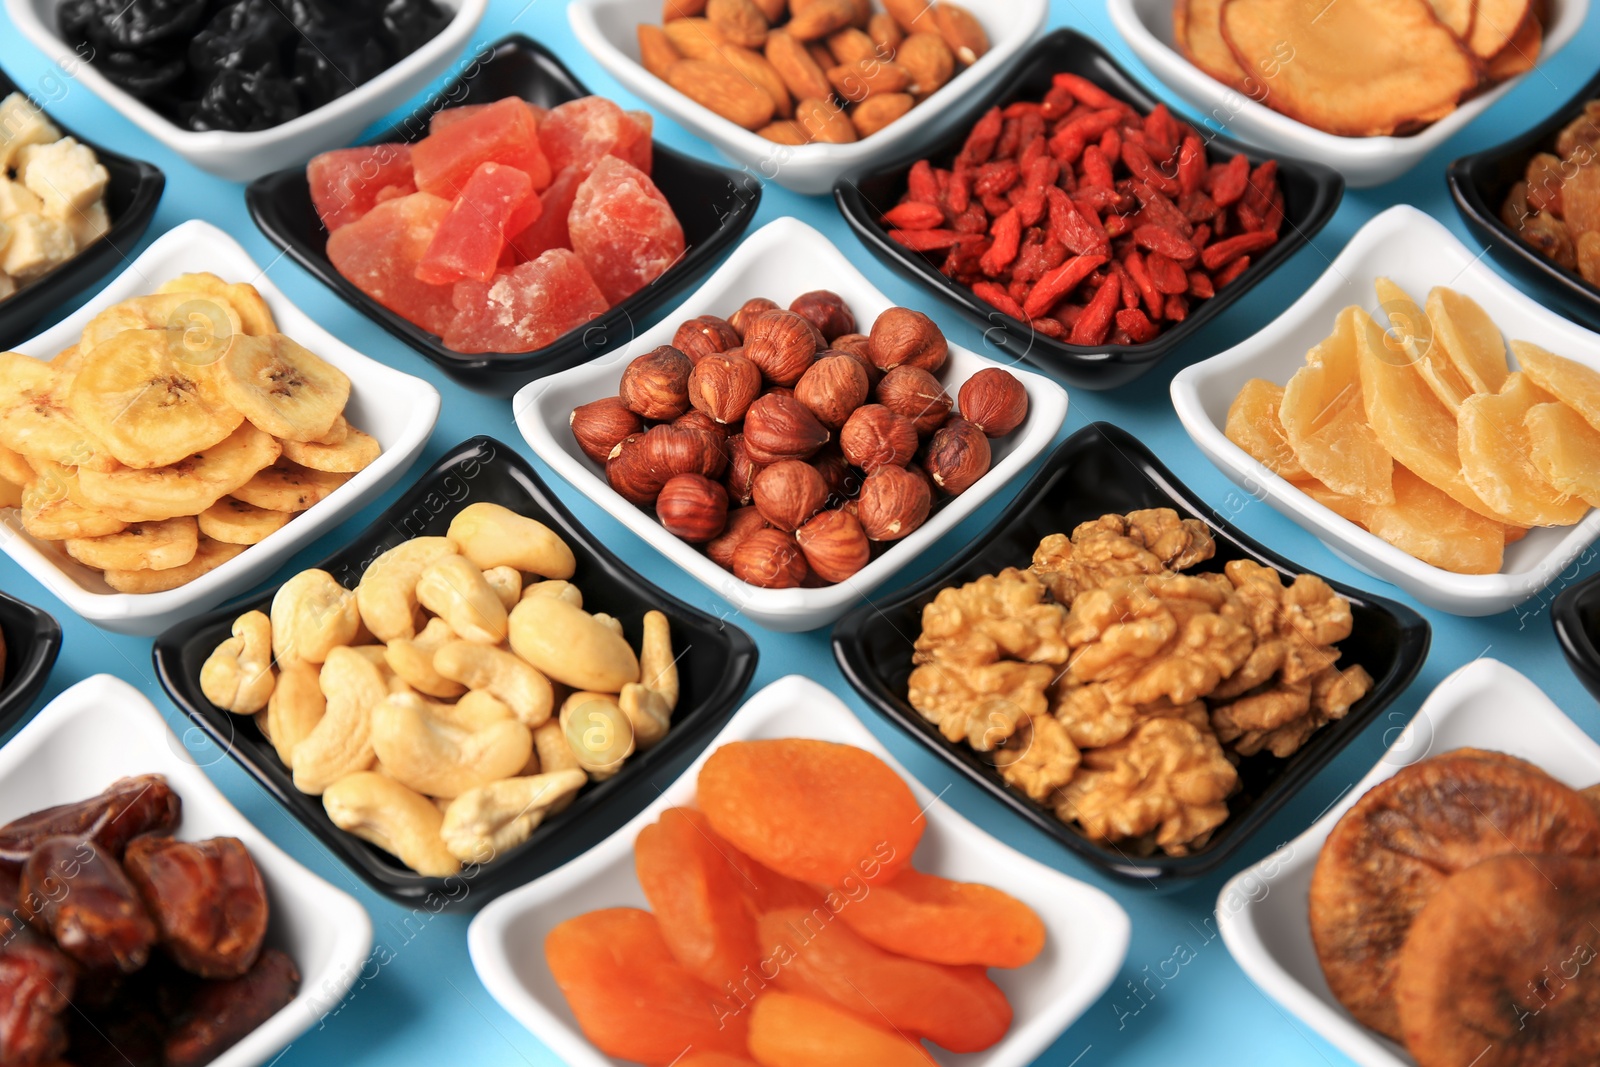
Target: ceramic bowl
32 643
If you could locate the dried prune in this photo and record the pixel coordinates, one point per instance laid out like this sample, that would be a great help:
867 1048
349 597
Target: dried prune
243 36
220 1013
413 23
146 24
128 807
244 100
36 984
78 894
333 60
207 899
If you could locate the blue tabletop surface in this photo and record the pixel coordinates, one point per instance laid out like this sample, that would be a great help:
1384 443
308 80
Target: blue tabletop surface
424 1005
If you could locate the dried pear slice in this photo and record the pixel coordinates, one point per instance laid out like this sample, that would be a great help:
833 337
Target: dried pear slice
1325 423
1410 336
1569 381
1566 450
1496 457
1469 337
1495 24
1360 68
1435 529
1455 14
1200 38
1253 425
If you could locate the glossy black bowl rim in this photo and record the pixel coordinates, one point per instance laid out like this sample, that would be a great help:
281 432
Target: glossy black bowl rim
1577 642
493 878
30 665
33 302
1327 182
1414 638
525 366
1486 217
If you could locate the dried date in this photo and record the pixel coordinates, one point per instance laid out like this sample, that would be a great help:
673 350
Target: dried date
207 899
79 895
128 807
220 1013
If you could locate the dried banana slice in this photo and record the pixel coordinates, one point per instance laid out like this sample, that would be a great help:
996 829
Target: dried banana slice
353 454
243 299
287 486
35 420
166 311
187 487
238 523
281 387
143 546
208 557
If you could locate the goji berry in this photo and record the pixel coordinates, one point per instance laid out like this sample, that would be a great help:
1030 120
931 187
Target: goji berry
1227 183
996 297
1095 322
1086 91
1097 168
1166 274
925 240
1130 289
914 215
1136 325
1058 103
995 178
921 184
1191 167
1134 263
995 204
1168 242
980 143
1230 272
959 192
1222 252
1201 236
973 220
1176 308
1161 133
1144 169
1058 283
1020 108
1030 204
1200 286
1007 231
1037 260
1159 211
1066 147
1197 207
1111 143
1054 329
1010 136
1074 231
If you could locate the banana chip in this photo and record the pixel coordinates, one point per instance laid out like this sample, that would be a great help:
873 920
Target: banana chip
243 299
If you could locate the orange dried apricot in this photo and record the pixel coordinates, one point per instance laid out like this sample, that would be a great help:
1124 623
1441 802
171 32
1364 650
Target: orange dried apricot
766 890
931 918
791 1031
714 1059
694 888
957 1007
631 998
812 810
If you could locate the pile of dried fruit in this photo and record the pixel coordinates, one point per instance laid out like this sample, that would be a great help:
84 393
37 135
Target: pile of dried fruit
181 429
504 228
422 705
96 892
742 459
1556 207
789 927
1364 68
1454 908
810 71
1424 435
1120 692
1085 220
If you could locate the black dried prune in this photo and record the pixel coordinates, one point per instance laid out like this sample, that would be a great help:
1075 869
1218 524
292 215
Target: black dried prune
139 75
243 100
248 35
413 23
334 59
149 23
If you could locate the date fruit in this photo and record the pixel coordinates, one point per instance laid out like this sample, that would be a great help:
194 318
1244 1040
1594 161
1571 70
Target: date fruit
207 898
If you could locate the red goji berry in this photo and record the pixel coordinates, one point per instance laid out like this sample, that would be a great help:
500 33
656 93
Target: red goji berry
1054 329
1157 210
921 185
1068 315
1007 231
1228 184
1144 169
1161 133
1198 207
1018 290
995 178
1020 108
1066 147
1200 286
1250 221
997 298
1029 126
995 204
1058 283
1130 289
1038 259
1030 205
1095 322
1168 242
1097 168
1220 253
1057 103
1191 165
1072 229
1086 91
925 240
914 215
958 195
1201 236
1137 326
1010 137
1094 124
972 220
980 143
1230 272
1111 144
1167 275
1275 213
1258 190
1134 264
1116 226
1041 172
961 262
1176 308
1036 148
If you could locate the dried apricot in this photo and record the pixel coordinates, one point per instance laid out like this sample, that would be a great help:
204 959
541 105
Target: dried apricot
813 810
1496 457
931 918
1254 426
766 890
631 998
791 1031
714 1059
1326 423
694 888
957 1007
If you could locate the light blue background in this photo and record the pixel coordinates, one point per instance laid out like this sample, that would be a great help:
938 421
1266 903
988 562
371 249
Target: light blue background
426 1007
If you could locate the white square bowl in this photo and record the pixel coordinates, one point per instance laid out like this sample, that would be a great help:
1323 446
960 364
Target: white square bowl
103 729
608 29
1364 161
242 157
1087 931
395 408
1418 253
780 261
1263 912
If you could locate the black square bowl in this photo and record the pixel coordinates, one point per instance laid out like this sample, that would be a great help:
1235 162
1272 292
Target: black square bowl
1099 470
131 198
1311 194
716 663
715 206
33 640
1576 617
1479 184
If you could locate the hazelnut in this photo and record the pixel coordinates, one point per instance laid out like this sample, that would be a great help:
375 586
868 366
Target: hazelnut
782 344
826 311
994 401
916 394
740 320
692 507
841 479
770 559
875 437
723 384
629 472
601 425
742 522
857 347
672 450
832 388
699 337
835 545
902 336
893 502
742 470
958 455
780 427
695 419
656 385
789 492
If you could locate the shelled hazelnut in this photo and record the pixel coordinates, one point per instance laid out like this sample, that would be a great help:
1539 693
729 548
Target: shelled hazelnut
742 522
782 344
770 559
904 337
780 427
601 425
789 493
699 337
835 545
723 385
832 387
993 401
826 311
656 385
692 507
740 320
916 394
958 455
893 503
875 437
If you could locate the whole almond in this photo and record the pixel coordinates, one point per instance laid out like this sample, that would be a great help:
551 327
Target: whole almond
795 66
857 81
739 21
912 15
657 53
851 45
724 90
824 122
682 9
754 67
819 18
961 31
928 60
885 33
774 10
879 110
695 38
785 132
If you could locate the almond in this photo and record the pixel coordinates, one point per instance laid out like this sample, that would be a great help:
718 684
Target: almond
796 67
961 32
885 33
740 22
775 10
851 45
820 18
785 132
912 15
928 60
857 81
754 66
722 89
824 121
657 53
682 9
879 110
696 38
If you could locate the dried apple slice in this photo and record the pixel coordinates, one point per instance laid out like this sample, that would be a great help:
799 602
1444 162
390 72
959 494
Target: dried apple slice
1470 339
1410 336
1520 53
1455 14
1355 68
1197 25
1429 525
1567 380
1496 457
1325 422
1253 425
1494 25
1566 449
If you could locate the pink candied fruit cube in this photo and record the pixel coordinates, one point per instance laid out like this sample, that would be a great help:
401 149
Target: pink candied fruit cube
526 307
549 230
503 132
496 200
346 182
379 253
581 132
623 229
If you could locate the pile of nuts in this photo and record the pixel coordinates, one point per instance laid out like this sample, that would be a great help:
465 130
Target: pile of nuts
810 71
448 703
788 444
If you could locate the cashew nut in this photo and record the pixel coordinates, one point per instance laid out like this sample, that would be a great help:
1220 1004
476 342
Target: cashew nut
398 820
658 667
454 589
570 646
610 622
598 731
507 676
297 705
387 594
238 675
647 711
341 742
506 583
263 723
485 822
476 709
494 536
557 588
433 757
312 614
412 659
550 745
